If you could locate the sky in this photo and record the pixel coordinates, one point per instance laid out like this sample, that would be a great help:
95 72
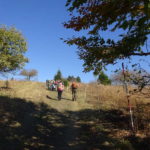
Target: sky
41 23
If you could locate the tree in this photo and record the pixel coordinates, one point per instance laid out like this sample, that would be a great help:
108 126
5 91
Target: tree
78 79
96 74
118 77
58 75
103 78
131 18
12 49
71 78
138 77
29 73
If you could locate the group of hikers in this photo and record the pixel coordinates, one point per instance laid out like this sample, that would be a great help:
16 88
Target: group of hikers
51 84
59 87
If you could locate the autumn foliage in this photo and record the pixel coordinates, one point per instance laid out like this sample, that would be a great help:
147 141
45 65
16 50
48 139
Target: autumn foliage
129 20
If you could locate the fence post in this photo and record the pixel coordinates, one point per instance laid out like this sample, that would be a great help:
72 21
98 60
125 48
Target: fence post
128 99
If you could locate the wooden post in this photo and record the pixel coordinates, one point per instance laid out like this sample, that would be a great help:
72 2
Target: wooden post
128 99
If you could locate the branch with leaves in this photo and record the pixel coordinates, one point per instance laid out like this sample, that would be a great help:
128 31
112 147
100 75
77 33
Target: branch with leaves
131 17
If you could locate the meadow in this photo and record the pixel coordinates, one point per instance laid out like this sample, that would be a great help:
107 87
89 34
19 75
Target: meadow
33 118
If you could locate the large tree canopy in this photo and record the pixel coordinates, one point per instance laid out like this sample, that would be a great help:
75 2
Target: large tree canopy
131 17
12 49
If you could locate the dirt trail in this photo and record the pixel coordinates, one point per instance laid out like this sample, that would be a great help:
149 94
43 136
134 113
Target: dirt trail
62 118
71 120
66 104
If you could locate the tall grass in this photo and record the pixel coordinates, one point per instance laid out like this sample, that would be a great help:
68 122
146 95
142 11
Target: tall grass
115 97
110 96
100 96
23 89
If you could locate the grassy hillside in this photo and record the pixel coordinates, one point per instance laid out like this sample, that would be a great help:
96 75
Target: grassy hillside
33 118
38 93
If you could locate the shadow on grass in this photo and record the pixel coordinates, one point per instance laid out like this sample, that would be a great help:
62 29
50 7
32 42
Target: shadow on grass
5 88
28 126
51 98
63 98
66 99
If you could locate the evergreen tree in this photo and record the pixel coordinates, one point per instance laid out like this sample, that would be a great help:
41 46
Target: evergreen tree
103 78
78 79
71 78
58 75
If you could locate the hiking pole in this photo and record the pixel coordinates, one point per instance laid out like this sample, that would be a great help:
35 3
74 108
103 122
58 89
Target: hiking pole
128 99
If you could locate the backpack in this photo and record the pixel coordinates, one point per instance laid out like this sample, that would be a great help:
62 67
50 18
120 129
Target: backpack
74 85
60 87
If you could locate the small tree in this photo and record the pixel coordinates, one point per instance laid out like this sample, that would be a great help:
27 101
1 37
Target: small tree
78 79
58 75
103 78
71 78
138 77
29 73
118 77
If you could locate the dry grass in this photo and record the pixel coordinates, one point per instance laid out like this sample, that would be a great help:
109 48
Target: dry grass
111 97
24 89
37 93
114 97
101 123
101 96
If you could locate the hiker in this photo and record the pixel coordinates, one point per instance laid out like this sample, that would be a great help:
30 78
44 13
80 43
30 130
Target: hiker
60 88
74 87
53 87
48 84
